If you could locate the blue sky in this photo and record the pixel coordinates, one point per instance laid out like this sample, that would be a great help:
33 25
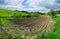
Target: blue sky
31 5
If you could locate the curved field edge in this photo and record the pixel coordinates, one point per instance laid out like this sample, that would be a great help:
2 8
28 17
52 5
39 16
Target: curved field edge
45 35
55 32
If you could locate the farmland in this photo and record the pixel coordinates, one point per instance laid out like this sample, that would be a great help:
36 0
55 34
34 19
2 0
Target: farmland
28 25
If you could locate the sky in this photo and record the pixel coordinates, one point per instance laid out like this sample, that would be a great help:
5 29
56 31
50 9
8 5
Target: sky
31 5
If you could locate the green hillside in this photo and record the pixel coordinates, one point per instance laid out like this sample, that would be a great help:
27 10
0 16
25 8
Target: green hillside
16 14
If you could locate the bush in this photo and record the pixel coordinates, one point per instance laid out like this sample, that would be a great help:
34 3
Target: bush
52 12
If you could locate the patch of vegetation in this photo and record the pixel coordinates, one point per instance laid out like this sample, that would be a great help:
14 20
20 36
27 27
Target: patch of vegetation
55 34
52 13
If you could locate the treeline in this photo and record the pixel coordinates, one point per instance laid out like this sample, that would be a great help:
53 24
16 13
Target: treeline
53 12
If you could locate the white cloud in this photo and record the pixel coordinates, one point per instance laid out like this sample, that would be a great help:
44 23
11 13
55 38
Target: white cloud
37 5
38 2
13 2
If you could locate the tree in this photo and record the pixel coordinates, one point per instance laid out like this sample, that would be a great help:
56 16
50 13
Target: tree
58 11
52 12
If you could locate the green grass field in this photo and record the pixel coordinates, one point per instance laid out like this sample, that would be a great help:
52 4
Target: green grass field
55 34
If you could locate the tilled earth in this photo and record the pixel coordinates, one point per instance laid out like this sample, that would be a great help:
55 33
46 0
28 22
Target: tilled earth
35 25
